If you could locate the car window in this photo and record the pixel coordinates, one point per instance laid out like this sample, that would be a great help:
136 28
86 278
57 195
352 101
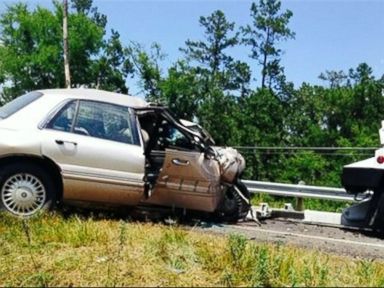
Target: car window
171 137
64 119
97 119
18 103
104 120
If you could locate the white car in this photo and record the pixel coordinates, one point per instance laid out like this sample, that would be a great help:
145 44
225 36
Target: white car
92 146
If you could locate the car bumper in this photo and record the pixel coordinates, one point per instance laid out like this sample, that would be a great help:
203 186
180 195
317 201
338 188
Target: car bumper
357 179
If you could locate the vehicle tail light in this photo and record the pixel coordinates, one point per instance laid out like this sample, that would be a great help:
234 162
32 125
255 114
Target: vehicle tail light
380 159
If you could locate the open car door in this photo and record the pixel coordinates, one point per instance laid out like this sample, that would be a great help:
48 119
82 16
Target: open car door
177 172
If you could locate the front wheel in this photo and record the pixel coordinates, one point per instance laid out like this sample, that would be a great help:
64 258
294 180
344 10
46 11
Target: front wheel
25 189
235 204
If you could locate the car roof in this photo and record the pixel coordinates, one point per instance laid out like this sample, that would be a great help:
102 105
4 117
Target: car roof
96 95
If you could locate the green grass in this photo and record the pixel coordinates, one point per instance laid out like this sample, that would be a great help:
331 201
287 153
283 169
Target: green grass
83 251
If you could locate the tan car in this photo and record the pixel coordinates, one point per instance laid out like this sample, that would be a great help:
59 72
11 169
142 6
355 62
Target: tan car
91 146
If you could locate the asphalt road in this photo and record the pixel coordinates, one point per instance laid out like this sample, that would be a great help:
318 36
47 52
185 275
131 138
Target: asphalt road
327 239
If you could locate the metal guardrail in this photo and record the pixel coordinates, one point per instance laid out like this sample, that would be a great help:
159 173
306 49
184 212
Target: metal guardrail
298 190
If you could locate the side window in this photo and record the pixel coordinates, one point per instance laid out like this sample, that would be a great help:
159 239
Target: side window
103 120
64 119
172 137
175 138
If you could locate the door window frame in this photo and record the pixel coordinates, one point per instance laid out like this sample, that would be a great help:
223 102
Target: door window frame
167 115
56 112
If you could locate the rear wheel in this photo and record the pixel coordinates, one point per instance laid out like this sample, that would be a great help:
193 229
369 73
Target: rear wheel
235 204
25 189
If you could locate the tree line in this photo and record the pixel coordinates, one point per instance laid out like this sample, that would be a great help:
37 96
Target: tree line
207 85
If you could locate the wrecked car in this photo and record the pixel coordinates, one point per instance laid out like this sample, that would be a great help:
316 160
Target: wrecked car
79 146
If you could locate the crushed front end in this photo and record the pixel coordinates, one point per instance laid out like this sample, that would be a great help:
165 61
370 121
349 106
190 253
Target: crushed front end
235 203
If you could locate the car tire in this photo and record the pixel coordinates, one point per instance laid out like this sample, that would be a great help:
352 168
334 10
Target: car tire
233 206
25 189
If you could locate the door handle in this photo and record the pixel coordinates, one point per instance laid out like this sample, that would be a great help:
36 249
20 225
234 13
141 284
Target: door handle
180 162
61 142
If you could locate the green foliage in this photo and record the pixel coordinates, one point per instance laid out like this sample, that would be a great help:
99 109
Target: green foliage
215 65
219 114
211 53
307 167
261 116
269 27
182 90
31 55
335 78
113 66
208 86
146 66
262 111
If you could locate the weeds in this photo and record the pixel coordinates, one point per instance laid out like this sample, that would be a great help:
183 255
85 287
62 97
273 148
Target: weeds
78 251
323 275
227 279
307 275
116 257
237 244
175 250
262 266
39 278
366 271
292 276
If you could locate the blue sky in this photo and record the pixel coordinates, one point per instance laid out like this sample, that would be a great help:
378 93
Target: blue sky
330 35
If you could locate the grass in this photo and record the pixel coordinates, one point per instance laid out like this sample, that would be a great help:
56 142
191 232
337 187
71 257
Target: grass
51 250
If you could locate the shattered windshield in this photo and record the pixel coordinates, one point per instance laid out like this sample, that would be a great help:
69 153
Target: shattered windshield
198 129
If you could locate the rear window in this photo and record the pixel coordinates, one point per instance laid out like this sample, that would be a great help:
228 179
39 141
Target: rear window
18 103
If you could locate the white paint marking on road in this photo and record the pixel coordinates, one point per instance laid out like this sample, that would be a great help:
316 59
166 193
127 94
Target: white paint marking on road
311 236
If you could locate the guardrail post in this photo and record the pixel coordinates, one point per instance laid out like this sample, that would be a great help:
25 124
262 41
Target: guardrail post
300 200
